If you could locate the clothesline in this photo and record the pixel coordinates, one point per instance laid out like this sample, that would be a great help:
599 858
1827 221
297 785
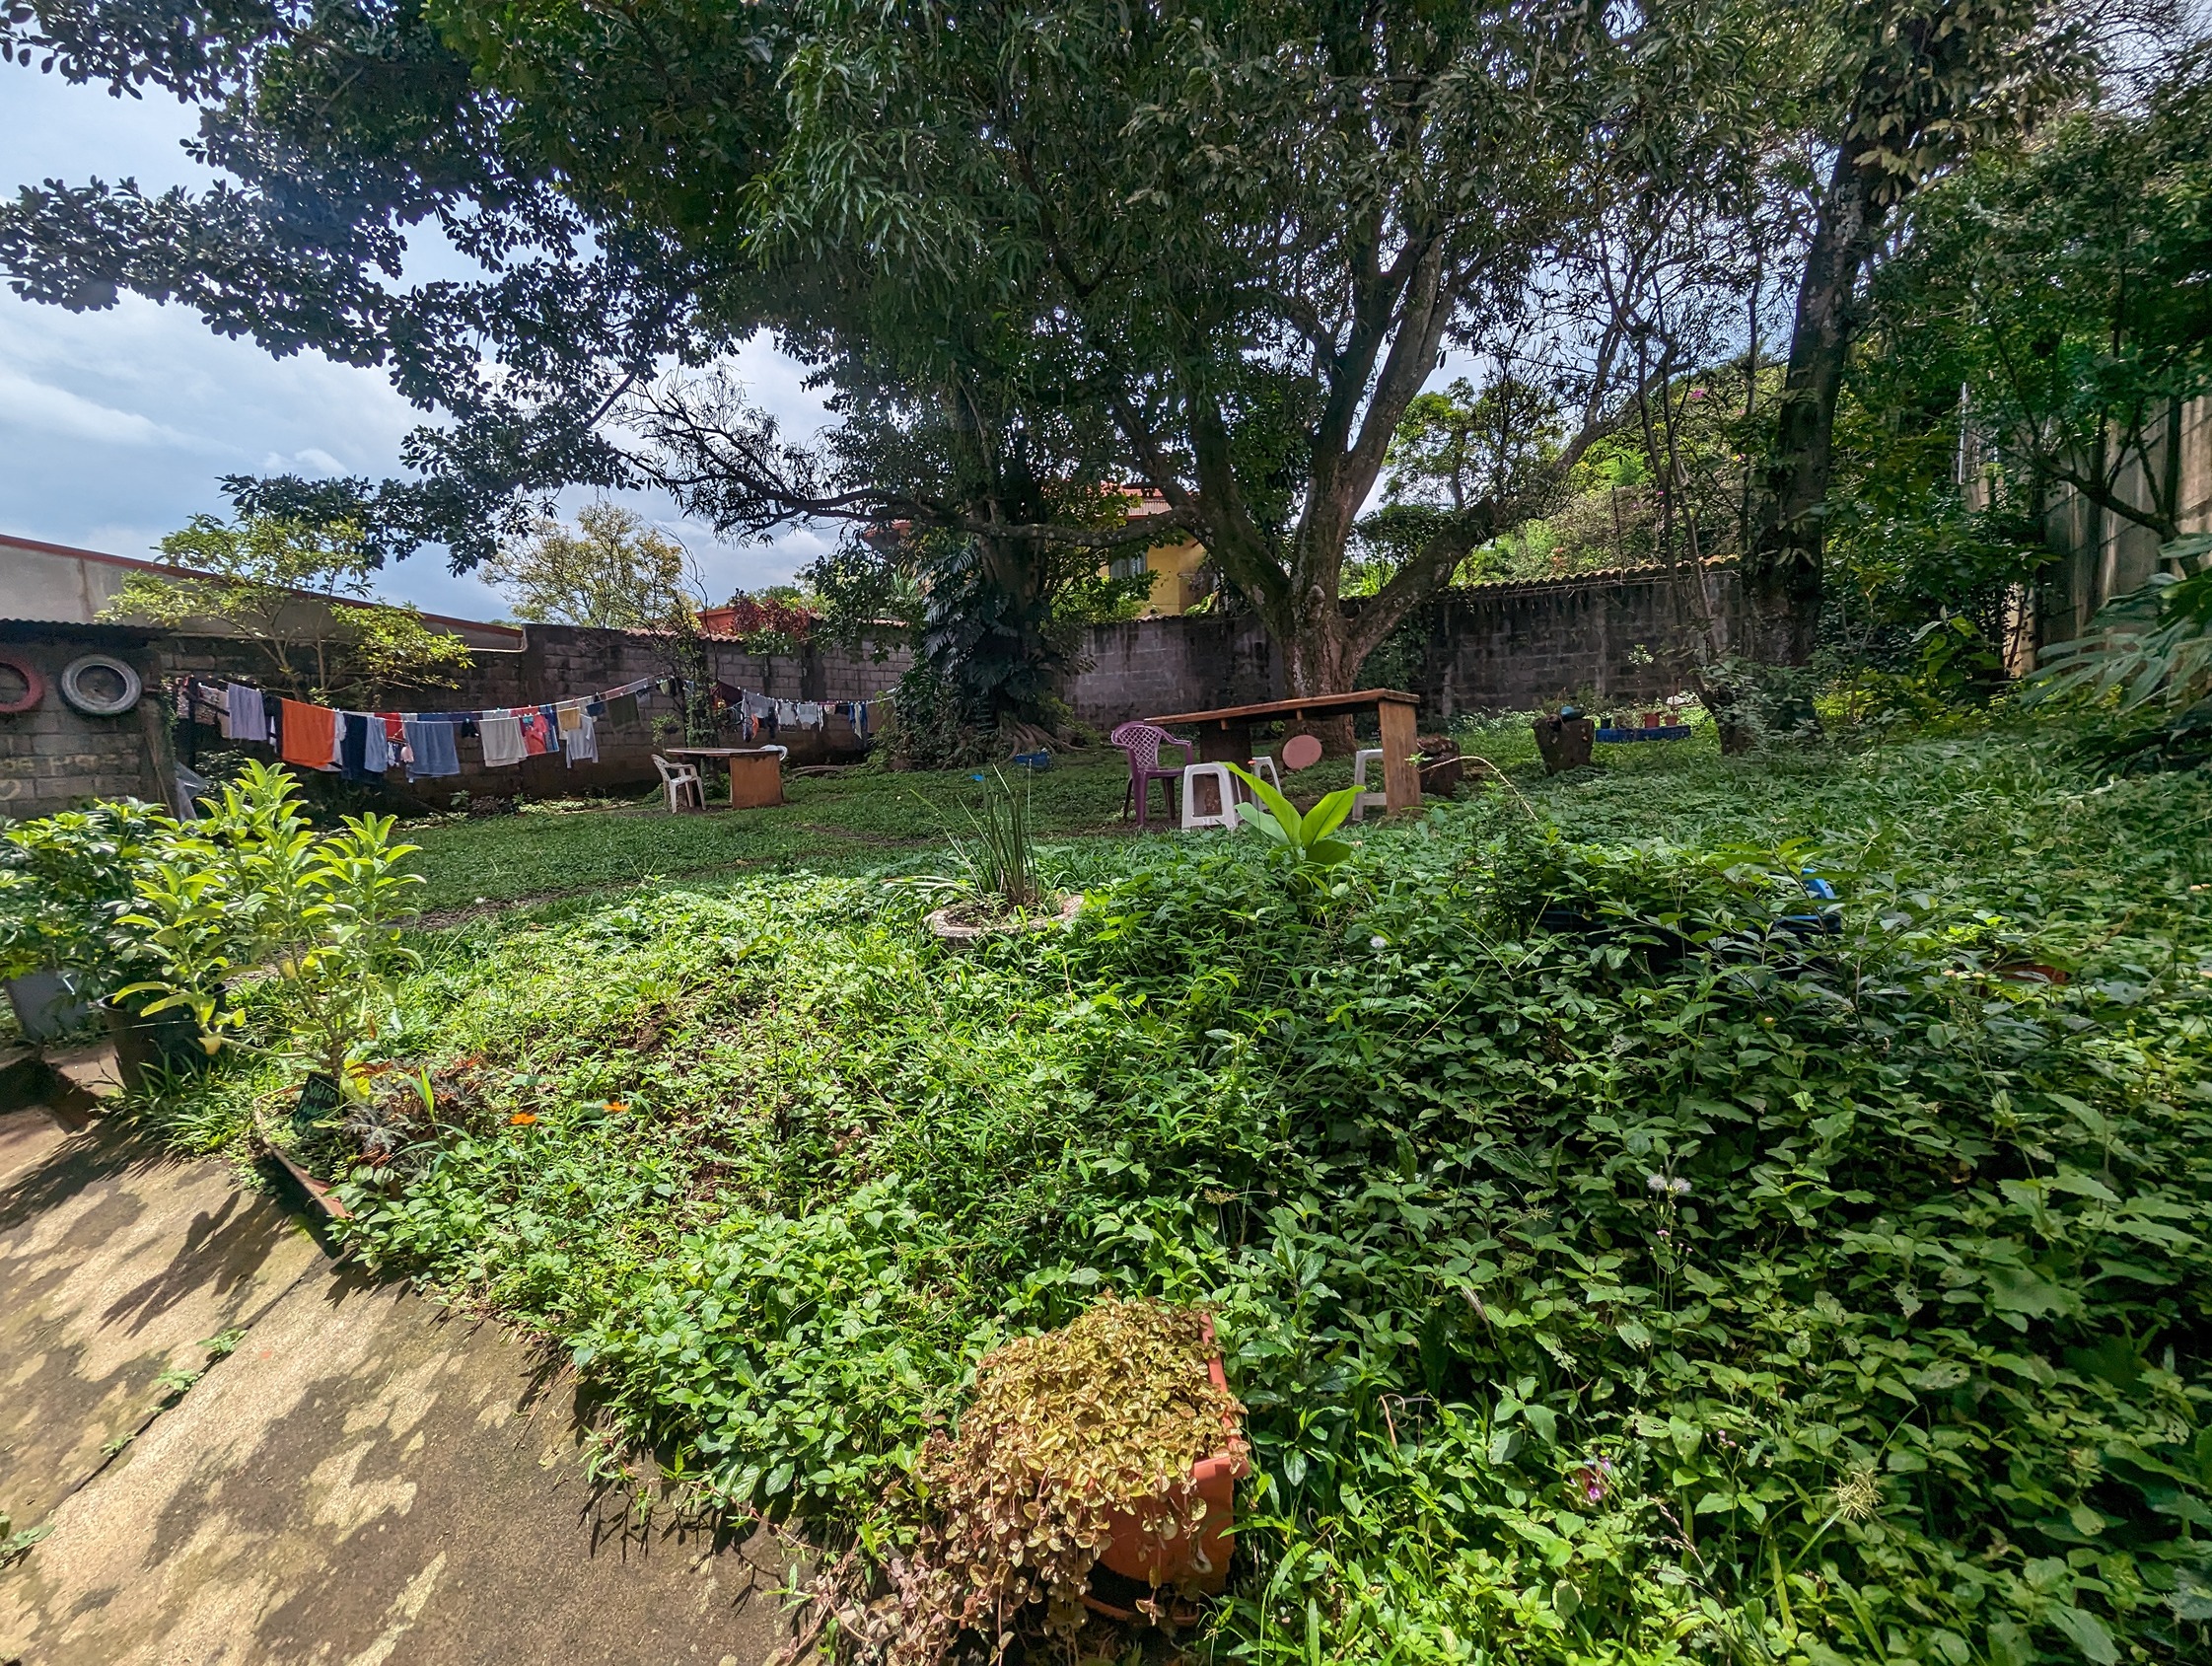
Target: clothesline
365 745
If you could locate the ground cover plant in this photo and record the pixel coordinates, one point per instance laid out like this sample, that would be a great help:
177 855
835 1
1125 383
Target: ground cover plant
1614 1262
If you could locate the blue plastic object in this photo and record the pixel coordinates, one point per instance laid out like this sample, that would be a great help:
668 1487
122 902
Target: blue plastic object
1667 732
1039 760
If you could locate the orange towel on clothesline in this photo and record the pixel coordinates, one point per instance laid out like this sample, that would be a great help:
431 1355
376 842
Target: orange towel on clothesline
311 735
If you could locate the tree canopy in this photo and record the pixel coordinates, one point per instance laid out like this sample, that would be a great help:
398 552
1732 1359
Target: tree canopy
1035 254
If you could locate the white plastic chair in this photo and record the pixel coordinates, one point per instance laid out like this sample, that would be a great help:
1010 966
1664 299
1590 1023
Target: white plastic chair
1192 774
681 782
1264 765
1367 800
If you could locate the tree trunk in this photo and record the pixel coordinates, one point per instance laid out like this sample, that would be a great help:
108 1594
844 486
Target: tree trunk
1316 643
1781 569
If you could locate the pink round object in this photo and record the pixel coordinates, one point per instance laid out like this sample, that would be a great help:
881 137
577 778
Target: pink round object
1300 751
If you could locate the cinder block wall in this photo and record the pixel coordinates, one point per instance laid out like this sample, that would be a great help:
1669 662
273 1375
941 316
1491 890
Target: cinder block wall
1485 648
53 756
557 661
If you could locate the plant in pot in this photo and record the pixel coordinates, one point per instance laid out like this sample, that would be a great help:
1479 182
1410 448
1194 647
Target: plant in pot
253 885
1112 1440
998 889
65 882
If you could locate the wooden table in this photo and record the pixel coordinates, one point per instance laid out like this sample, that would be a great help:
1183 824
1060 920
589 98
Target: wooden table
755 773
1225 734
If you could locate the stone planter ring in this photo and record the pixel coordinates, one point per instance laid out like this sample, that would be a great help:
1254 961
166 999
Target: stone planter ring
100 686
34 686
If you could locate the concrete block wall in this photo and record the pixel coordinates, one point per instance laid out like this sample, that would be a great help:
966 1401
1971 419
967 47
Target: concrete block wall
1485 648
557 661
53 757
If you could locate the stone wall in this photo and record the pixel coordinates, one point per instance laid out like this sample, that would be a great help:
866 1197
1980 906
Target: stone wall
556 661
53 756
1599 637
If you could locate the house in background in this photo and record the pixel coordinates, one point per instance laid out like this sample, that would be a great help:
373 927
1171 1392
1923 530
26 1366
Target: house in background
1177 584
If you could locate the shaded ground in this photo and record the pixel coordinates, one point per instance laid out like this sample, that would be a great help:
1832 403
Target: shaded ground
363 1481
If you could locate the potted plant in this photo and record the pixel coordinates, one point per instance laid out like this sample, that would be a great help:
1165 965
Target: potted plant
998 892
1111 1441
252 885
1564 740
65 882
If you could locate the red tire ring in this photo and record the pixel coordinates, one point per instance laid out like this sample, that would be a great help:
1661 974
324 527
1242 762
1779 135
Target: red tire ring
34 686
130 686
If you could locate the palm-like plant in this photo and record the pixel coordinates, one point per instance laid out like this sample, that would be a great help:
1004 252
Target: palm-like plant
2153 644
1307 840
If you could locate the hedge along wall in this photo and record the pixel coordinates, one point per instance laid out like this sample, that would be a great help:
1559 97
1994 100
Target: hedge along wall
558 660
1604 637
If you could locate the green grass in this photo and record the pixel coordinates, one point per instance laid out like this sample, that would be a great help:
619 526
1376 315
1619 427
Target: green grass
1611 1275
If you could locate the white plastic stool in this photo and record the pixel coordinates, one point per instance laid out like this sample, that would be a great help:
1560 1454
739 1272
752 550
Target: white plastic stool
1264 764
1192 774
1367 800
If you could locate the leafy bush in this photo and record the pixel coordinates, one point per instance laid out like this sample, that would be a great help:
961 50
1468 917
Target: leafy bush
1663 1281
250 885
64 882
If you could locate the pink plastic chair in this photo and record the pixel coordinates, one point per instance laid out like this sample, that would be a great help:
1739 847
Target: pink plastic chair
1142 742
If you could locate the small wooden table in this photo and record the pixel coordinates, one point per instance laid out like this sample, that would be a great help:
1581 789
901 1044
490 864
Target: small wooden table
1225 735
755 773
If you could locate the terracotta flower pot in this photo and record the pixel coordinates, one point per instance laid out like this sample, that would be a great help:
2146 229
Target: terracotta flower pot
1190 1562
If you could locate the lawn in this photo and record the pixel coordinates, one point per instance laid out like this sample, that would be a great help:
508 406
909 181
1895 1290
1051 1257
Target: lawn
844 823
1615 1265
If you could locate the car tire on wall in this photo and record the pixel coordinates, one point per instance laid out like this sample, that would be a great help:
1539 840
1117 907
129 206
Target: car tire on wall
100 686
34 686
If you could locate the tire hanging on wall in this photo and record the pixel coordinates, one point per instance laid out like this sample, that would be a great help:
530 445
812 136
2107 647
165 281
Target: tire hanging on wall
34 686
96 704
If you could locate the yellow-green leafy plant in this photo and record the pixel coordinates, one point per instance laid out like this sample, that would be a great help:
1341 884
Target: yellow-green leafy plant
1065 1432
253 886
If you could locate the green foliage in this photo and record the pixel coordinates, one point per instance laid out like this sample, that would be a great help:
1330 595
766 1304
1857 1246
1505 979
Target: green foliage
2058 292
301 596
999 853
1064 1433
611 570
1666 1281
1305 842
251 886
64 881
2152 646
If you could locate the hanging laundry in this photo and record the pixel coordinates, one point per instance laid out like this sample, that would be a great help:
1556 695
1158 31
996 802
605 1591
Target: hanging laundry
569 714
581 744
503 739
432 744
622 708
376 751
311 734
394 729
248 716
539 735
809 715
787 712
353 745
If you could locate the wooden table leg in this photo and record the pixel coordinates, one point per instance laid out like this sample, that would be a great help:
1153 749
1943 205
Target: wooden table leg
1230 744
1401 776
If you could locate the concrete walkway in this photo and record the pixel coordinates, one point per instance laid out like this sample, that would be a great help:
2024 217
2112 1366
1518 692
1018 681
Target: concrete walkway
363 1481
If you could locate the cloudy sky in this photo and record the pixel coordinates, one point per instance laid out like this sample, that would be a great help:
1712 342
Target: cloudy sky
115 427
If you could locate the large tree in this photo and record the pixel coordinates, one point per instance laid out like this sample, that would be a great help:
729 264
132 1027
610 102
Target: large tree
1215 248
1913 88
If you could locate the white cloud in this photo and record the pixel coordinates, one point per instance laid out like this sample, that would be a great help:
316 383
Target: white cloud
26 402
118 424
